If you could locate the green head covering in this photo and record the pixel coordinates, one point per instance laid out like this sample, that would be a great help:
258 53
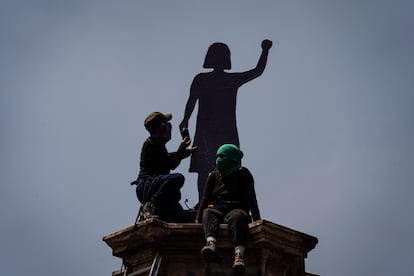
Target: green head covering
228 159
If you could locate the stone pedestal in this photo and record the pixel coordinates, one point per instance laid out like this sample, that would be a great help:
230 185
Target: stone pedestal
272 250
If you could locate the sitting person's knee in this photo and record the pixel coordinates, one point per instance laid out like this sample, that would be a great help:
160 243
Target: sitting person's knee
238 215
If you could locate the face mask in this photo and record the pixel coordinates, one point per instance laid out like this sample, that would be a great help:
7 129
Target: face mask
166 132
162 134
226 166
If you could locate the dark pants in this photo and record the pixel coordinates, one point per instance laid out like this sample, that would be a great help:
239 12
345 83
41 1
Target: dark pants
236 219
164 192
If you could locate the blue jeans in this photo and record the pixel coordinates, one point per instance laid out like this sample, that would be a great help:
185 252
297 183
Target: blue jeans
164 192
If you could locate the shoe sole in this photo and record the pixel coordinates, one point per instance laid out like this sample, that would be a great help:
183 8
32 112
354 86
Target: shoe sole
211 255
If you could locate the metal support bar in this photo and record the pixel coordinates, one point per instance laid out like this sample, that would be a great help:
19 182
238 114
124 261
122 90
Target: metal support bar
156 264
141 271
153 269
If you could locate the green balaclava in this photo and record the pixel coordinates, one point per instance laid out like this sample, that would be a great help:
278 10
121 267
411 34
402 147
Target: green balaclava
228 159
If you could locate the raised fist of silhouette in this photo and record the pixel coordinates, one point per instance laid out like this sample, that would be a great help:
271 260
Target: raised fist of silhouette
266 44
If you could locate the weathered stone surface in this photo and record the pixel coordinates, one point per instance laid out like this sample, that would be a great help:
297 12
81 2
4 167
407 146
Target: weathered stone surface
273 250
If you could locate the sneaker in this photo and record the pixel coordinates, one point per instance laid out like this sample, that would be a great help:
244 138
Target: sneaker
148 211
209 252
238 266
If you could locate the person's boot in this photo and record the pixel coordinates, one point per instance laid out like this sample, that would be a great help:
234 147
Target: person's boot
148 211
209 252
238 266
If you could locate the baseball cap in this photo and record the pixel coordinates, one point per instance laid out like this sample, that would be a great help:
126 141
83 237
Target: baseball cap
155 119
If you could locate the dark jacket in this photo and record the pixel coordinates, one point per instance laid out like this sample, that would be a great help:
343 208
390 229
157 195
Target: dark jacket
156 160
235 191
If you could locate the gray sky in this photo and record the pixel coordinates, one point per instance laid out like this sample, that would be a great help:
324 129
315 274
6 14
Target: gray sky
327 130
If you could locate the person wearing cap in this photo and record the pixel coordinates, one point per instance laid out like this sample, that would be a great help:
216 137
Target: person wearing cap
229 197
157 188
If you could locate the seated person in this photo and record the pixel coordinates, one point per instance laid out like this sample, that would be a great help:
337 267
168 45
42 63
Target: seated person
229 197
158 189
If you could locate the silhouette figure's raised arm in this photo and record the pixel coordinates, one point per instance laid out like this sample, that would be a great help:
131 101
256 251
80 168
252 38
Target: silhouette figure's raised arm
261 64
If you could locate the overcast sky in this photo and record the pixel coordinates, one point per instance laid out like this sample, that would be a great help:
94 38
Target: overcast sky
327 130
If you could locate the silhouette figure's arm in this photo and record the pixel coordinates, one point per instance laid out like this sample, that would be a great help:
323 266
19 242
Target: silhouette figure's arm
189 107
261 64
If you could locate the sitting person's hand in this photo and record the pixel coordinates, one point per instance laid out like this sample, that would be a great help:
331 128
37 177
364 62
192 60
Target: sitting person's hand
186 145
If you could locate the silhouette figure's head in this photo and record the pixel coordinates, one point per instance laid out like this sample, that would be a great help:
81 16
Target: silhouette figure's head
218 56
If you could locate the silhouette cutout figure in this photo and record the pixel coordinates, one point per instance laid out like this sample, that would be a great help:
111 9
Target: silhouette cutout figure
216 93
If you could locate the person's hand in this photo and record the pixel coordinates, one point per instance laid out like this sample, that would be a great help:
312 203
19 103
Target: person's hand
186 145
266 44
192 148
